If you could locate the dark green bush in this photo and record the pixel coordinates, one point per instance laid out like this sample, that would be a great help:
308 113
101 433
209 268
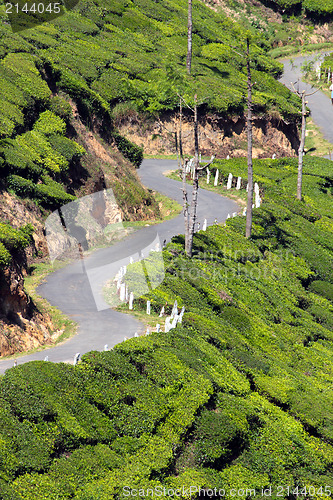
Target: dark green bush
59 106
15 239
322 288
131 151
50 196
5 256
66 147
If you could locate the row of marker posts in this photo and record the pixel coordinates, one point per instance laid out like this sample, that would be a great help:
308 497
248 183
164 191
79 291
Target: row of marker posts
171 322
175 318
257 202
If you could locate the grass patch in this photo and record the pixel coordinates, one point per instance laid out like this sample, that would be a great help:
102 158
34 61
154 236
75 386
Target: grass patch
315 143
169 209
289 50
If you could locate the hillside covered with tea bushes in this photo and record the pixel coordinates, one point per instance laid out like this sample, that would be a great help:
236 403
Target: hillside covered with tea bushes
313 8
74 76
103 53
109 57
238 396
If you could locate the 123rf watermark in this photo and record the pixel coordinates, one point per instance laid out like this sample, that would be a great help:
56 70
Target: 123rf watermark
245 493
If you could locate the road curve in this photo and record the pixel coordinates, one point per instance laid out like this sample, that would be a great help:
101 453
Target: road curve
70 289
74 292
319 104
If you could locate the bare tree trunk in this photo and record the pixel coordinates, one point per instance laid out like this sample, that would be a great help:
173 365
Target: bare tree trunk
189 38
180 130
303 95
249 145
176 147
185 205
194 202
301 149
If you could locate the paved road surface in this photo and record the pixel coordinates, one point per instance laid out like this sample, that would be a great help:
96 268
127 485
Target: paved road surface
70 289
319 104
76 289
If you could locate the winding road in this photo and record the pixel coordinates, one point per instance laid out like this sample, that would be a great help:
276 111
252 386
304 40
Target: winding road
319 104
76 289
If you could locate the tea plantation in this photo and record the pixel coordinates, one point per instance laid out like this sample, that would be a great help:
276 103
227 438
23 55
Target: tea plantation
108 57
311 7
103 53
238 396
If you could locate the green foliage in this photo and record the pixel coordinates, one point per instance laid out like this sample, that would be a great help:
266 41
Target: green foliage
5 256
32 152
131 151
49 124
13 240
103 55
51 196
66 147
322 288
313 8
60 107
318 6
228 398
26 76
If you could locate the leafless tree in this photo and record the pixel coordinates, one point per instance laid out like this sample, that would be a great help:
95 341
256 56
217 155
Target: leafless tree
303 95
249 127
190 210
249 143
189 38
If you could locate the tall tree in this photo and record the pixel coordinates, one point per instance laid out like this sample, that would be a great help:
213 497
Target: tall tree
189 38
190 211
249 128
249 143
304 113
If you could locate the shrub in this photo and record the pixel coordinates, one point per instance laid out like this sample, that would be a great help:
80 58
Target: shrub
60 107
50 196
49 124
14 239
26 76
131 151
31 152
5 256
66 147
322 288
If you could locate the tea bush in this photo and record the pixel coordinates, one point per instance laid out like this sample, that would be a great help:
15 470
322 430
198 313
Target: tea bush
314 8
131 151
238 394
50 196
5 256
60 107
12 241
102 55
49 124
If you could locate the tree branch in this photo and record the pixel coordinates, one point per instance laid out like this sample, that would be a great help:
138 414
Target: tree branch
207 164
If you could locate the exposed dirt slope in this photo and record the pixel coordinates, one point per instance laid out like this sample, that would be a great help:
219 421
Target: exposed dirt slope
219 136
22 326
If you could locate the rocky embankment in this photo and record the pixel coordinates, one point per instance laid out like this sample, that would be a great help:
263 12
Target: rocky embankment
102 170
218 135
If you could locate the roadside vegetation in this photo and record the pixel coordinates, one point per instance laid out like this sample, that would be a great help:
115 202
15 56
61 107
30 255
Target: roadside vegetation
113 58
238 396
289 27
